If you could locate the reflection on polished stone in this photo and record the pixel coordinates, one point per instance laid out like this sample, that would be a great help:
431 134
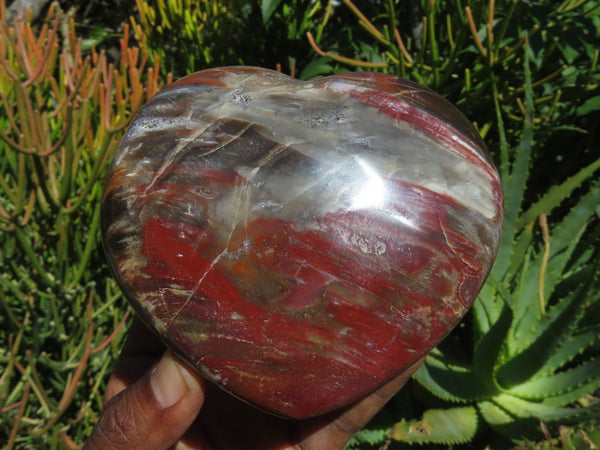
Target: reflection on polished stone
301 243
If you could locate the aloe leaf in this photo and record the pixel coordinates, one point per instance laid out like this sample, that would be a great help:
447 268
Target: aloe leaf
529 322
438 426
587 253
486 309
448 382
532 360
570 397
569 349
493 414
576 219
557 194
519 250
507 424
489 306
315 68
525 408
488 351
370 436
556 270
580 380
526 304
268 7
514 186
563 241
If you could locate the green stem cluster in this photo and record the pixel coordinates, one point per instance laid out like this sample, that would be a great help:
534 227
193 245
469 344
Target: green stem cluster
62 113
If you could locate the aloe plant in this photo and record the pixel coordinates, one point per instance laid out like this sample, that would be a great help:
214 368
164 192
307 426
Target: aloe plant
536 320
536 323
63 106
527 353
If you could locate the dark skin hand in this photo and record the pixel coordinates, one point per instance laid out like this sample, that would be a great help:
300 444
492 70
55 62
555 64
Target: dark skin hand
155 401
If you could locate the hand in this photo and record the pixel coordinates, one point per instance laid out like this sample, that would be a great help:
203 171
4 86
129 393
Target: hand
156 401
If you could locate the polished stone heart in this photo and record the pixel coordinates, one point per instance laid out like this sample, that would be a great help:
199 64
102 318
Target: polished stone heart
300 243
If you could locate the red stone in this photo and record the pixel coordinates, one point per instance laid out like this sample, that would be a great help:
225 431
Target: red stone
300 243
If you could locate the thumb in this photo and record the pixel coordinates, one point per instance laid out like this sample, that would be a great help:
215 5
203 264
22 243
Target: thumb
154 412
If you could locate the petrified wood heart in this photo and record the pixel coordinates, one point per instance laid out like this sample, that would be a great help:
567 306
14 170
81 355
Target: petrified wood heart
300 243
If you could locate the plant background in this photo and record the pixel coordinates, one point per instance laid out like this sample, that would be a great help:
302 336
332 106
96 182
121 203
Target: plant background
524 71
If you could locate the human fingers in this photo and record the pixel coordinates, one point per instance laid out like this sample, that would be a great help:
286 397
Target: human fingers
152 413
335 429
231 424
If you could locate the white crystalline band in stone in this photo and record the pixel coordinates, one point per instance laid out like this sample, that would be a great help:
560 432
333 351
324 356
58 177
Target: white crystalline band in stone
349 133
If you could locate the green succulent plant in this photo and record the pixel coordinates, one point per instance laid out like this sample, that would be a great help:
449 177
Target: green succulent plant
62 114
191 35
527 354
536 324
185 35
519 360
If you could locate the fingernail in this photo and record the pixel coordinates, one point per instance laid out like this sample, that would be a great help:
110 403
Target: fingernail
167 382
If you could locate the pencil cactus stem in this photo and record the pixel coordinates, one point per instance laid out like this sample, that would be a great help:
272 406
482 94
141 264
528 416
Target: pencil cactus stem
72 386
22 405
28 210
473 27
490 24
402 47
366 22
449 28
314 45
113 335
342 59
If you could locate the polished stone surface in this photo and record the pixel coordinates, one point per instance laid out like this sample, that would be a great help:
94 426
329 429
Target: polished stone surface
300 243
